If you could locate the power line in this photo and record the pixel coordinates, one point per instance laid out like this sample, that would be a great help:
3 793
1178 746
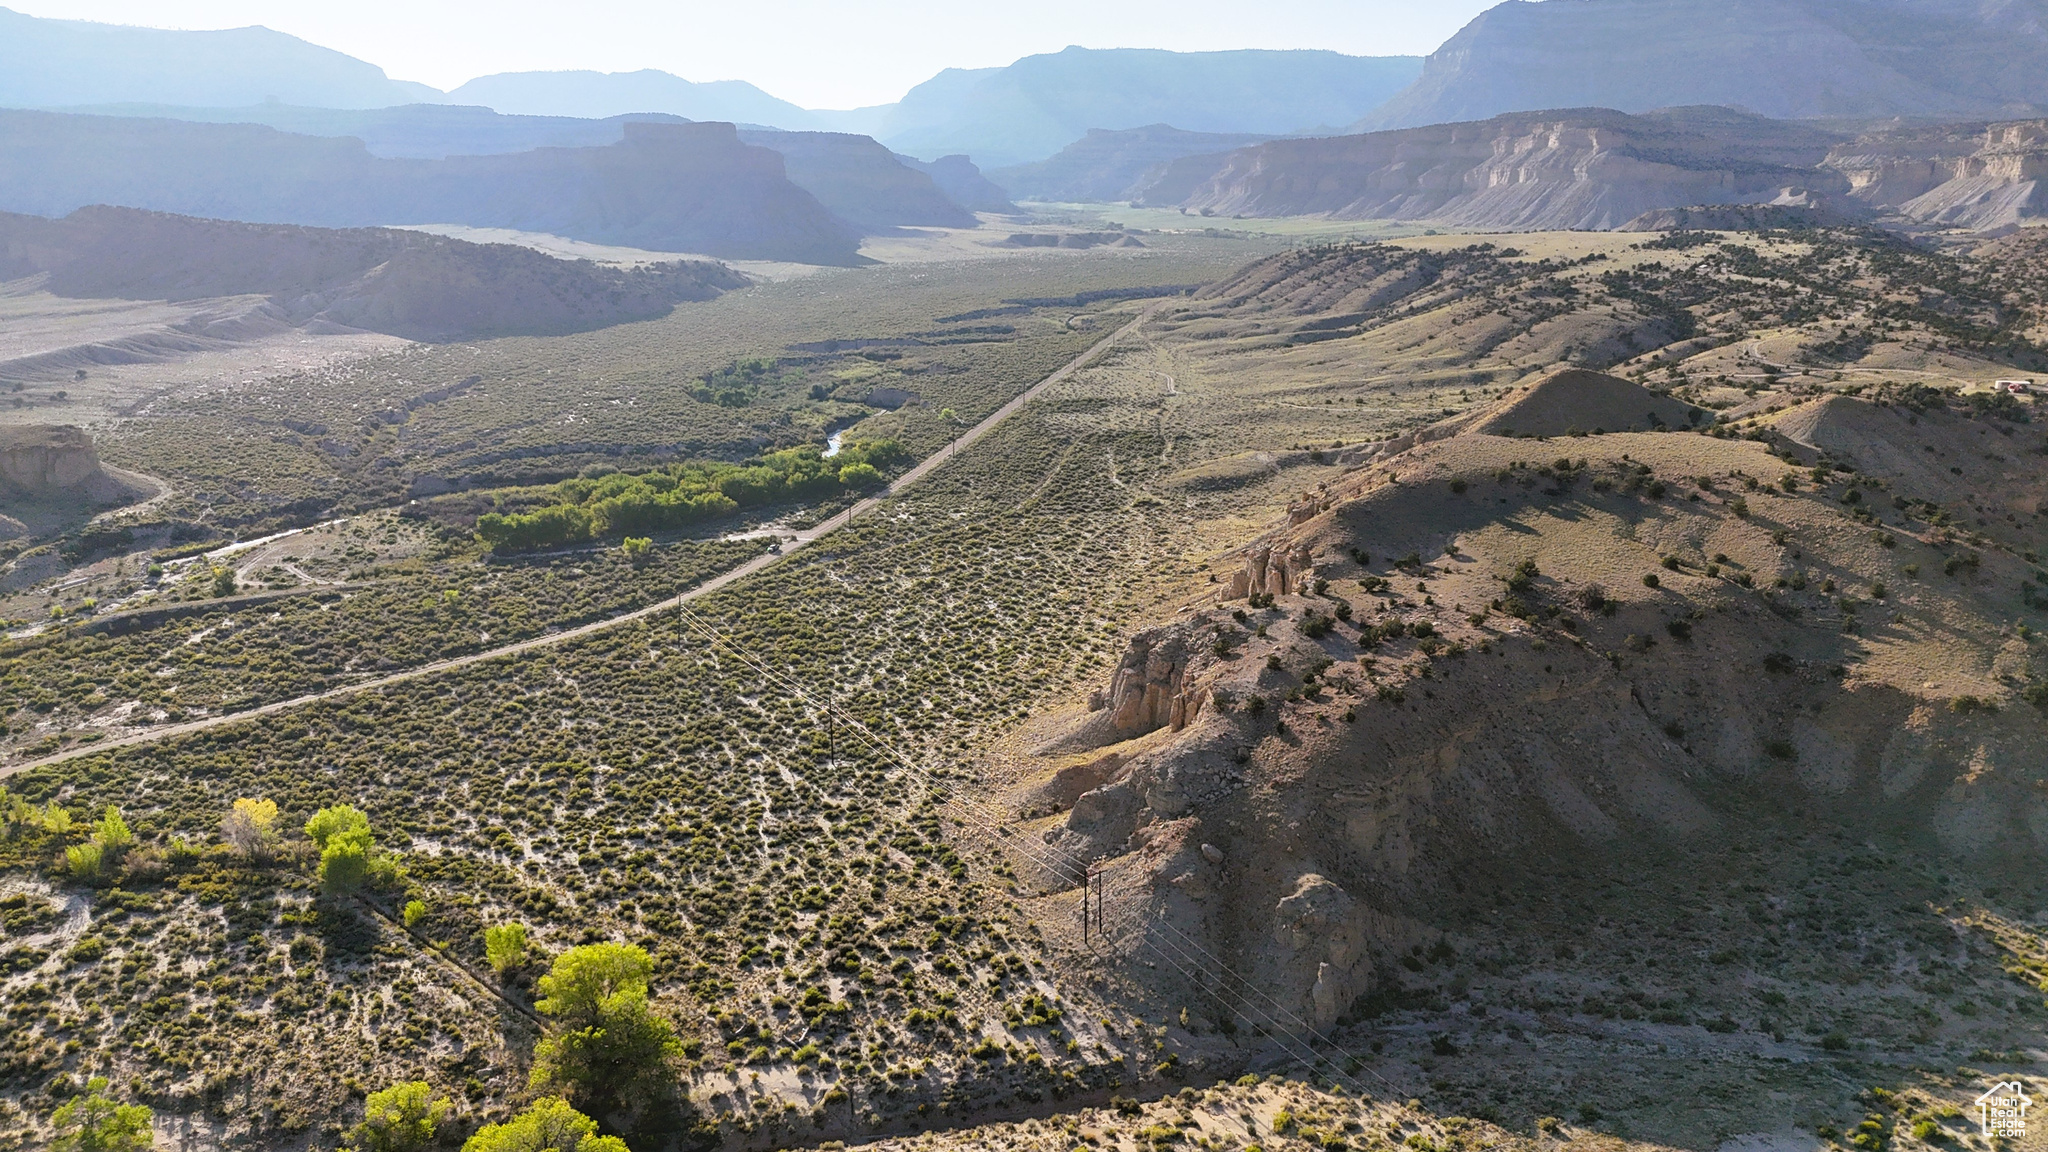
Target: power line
1278 1021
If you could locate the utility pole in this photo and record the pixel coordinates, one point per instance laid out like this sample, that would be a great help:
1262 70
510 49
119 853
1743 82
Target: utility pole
1091 883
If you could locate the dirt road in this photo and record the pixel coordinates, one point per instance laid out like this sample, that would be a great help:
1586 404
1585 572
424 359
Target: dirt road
791 544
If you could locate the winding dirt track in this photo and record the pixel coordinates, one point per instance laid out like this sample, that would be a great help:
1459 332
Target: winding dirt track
791 544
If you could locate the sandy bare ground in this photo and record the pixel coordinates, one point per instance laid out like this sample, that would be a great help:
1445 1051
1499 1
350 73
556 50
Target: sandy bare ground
131 352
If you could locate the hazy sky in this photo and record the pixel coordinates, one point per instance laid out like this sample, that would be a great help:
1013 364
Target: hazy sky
818 53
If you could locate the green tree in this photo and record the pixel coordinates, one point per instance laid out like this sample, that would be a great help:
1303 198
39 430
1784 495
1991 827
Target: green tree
505 946
862 475
347 848
56 820
345 864
224 582
415 911
113 834
327 822
401 1118
86 861
95 1122
636 548
551 1125
608 1045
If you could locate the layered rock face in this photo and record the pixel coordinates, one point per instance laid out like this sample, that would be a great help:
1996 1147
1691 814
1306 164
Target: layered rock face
1971 176
1582 168
1282 572
1152 687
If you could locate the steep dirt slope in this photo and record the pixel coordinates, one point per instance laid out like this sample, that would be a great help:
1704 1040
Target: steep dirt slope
1476 655
378 279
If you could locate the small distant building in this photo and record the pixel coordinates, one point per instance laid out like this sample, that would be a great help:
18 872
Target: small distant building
2017 386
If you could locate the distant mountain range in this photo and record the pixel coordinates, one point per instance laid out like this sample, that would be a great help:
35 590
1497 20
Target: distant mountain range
53 63
1105 165
1038 105
675 187
1022 112
406 131
343 168
1013 114
1536 115
1783 58
1788 59
598 95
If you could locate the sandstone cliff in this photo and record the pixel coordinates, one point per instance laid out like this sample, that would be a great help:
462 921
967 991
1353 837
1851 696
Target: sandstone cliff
1980 176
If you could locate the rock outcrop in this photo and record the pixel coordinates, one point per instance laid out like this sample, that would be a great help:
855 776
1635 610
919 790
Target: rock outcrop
44 462
1155 685
1284 571
51 476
